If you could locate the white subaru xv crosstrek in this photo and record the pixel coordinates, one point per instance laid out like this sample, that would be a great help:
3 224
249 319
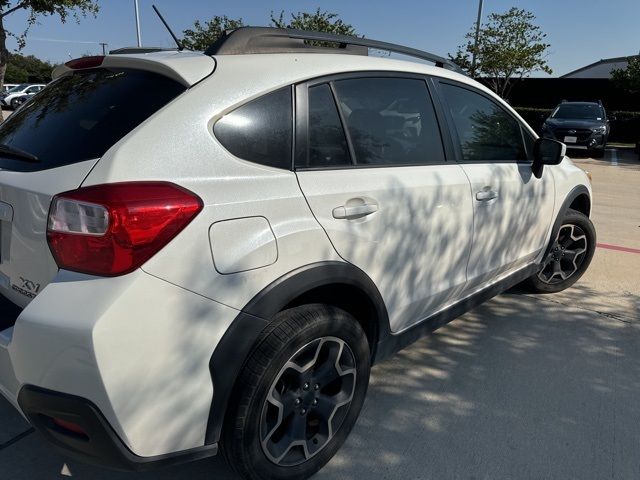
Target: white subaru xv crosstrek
205 252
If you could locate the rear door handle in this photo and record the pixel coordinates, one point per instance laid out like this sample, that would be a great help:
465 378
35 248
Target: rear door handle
486 195
355 211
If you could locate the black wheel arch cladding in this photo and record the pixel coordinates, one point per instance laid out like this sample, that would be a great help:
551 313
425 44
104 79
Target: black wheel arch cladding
233 349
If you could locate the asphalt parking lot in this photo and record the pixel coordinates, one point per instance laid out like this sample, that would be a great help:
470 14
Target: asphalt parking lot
522 387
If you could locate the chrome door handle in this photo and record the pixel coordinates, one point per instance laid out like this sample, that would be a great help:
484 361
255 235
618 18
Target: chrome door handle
486 195
355 211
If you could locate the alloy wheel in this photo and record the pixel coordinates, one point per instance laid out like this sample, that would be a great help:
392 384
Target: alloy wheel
566 255
308 401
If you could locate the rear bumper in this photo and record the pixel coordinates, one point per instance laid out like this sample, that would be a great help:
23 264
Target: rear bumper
100 445
135 349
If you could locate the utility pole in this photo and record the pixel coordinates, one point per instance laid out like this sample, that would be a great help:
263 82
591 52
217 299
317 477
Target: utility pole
104 47
475 48
135 4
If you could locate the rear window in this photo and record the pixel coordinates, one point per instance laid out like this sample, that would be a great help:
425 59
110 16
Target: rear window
79 117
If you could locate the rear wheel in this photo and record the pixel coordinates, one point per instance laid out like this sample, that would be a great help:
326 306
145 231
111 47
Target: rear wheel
298 396
569 257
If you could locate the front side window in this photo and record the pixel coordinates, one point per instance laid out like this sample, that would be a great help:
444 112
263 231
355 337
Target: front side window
391 121
486 132
260 131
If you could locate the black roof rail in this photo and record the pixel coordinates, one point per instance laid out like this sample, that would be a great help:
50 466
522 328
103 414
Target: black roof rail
133 50
287 40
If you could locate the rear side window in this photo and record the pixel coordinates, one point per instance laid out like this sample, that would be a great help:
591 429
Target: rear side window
391 121
260 131
486 132
80 116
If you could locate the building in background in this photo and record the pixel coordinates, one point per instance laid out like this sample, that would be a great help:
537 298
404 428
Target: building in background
601 68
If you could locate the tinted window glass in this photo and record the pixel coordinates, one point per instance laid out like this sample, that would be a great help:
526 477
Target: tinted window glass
390 121
79 117
327 142
577 111
485 130
260 131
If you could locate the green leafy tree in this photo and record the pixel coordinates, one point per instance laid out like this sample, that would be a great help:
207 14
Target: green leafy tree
319 21
23 69
628 78
510 47
201 36
35 9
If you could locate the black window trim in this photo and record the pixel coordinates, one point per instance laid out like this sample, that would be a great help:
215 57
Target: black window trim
453 133
301 140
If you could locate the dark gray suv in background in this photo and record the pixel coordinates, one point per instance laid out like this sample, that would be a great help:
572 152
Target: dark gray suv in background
579 125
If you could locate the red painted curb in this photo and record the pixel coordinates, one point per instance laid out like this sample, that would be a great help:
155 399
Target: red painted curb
618 248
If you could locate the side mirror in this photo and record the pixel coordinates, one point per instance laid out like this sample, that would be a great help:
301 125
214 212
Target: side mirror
546 152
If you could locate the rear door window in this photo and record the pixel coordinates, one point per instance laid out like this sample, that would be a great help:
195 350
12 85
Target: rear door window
327 142
391 121
260 131
79 117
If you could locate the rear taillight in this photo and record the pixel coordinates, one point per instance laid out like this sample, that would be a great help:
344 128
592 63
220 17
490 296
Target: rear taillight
113 229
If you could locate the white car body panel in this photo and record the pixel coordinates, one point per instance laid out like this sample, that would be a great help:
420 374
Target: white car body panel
125 339
415 247
511 229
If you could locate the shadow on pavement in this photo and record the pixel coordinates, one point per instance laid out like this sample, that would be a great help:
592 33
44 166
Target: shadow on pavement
519 388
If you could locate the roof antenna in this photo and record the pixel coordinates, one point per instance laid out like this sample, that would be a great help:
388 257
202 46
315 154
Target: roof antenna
175 39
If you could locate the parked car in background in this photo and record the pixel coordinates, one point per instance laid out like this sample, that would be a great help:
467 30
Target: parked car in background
579 125
10 98
21 99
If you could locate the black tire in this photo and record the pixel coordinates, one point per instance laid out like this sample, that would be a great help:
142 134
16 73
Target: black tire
14 103
597 153
290 332
580 220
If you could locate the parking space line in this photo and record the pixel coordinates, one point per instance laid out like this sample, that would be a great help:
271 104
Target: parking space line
618 248
614 157
16 439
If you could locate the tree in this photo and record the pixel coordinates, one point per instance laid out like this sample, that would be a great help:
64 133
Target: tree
319 21
510 46
35 9
628 78
23 69
200 37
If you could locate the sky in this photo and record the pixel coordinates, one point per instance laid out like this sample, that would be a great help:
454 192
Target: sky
580 32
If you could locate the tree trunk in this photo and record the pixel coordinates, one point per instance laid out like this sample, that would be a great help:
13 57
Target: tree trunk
4 59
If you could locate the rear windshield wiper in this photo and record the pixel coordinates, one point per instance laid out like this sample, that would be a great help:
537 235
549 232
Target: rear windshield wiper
18 154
